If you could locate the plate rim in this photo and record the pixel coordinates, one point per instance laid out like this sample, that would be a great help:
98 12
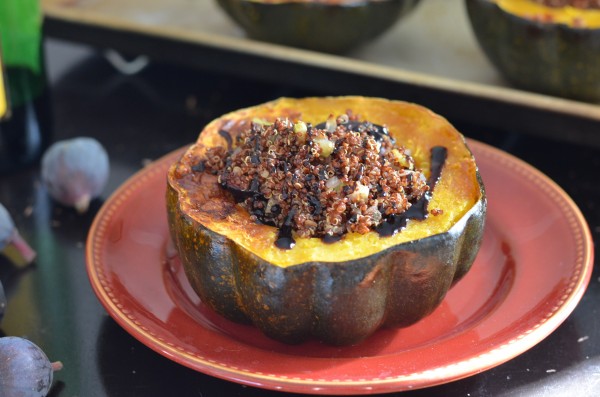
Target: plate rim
508 349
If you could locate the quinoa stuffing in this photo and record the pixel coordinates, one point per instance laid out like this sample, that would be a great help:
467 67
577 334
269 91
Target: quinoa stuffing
321 181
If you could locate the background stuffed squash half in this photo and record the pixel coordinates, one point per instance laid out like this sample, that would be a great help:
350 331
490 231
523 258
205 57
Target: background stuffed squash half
338 292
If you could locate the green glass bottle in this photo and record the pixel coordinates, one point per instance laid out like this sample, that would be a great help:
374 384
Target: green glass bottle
25 114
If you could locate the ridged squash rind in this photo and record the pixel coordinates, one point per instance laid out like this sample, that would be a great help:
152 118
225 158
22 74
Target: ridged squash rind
334 28
550 58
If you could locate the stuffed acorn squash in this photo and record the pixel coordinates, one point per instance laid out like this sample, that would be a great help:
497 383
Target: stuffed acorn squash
547 46
371 212
334 26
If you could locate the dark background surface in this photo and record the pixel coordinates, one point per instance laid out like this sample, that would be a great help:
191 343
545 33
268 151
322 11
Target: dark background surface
141 117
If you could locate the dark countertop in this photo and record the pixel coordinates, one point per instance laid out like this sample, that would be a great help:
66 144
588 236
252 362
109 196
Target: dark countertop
144 116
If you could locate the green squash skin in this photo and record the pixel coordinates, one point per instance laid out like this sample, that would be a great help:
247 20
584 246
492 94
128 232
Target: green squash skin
319 27
337 303
553 59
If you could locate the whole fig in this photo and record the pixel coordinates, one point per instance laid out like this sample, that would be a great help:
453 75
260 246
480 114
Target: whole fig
75 171
25 370
12 245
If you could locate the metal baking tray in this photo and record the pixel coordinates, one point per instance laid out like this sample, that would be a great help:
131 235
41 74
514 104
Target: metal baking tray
430 57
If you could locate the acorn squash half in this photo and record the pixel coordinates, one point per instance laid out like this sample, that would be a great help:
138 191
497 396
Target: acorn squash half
334 26
338 292
551 50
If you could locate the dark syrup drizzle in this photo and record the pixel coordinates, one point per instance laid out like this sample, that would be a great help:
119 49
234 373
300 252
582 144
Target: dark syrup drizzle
227 136
418 210
284 237
200 167
389 227
330 238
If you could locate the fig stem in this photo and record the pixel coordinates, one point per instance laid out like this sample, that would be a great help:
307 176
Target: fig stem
18 251
57 366
83 203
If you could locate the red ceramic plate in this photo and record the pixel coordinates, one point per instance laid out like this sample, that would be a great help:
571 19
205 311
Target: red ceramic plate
533 267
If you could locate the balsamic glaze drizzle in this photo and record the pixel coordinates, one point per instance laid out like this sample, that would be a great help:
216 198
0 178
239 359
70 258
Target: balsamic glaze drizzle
227 136
330 238
200 167
418 210
284 237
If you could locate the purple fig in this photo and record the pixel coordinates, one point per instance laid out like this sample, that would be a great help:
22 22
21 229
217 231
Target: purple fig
25 370
12 245
75 171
